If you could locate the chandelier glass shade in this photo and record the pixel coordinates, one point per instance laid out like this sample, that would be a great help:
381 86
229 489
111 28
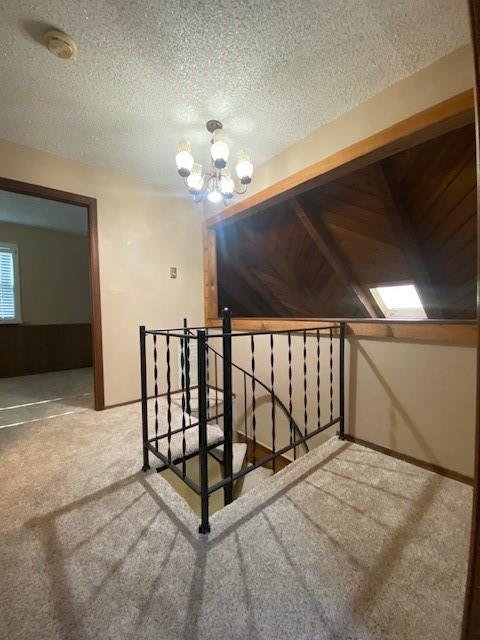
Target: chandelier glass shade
216 184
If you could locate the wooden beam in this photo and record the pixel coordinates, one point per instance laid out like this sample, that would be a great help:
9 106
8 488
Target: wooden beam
448 333
441 118
402 224
451 332
326 245
210 285
279 324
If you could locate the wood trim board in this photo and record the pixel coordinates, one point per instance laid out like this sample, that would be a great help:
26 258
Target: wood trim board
471 614
461 333
450 114
454 475
40 191
283 461
445 332
210 283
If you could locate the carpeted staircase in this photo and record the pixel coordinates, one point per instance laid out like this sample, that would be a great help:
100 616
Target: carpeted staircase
214 434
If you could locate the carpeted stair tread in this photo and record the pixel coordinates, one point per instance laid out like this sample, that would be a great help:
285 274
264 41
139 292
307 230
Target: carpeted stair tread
214 398
239 453
214 434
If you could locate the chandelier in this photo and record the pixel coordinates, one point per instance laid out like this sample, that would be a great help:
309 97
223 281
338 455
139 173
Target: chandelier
216 184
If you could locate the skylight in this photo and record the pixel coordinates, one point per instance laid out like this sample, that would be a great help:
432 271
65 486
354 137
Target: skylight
399 301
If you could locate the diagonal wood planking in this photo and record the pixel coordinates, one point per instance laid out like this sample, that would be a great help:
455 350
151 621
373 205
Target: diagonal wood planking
408 241
263 298
294 287
326 245
441 202
410 218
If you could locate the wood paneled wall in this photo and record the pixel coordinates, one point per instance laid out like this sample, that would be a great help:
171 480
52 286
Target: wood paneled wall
411 218
30 349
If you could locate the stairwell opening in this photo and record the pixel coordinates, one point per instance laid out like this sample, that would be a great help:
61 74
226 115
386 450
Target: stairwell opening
228 421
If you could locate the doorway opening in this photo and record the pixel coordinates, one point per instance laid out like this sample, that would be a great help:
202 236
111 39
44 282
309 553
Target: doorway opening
50 326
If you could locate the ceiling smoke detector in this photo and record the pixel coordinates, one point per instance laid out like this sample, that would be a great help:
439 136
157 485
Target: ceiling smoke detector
61 45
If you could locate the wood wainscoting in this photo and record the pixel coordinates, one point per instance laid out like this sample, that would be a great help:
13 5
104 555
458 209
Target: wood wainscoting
29 349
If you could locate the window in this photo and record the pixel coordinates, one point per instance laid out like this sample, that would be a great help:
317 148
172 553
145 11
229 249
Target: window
9 284
399 301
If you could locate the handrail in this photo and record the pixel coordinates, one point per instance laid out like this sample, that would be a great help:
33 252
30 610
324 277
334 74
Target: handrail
244 334
173 332
264 386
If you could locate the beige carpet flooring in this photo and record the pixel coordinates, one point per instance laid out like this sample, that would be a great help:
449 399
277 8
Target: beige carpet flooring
345 544
44 396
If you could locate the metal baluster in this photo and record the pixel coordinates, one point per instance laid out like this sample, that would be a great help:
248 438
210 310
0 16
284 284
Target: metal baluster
155 378
305 415
186 346
342 381
272 381
184 405
331 374
143 372
318 379
245 407
207 366
169 401
216 385
227 405
254 418
290 404
202 429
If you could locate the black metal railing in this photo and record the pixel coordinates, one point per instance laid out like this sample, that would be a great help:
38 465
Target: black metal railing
276 401
190 413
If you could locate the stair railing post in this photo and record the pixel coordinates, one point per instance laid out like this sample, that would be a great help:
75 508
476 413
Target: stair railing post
227 404
143 377
342 382
202 428
186 353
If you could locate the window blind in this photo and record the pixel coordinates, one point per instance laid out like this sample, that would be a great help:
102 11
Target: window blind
8 309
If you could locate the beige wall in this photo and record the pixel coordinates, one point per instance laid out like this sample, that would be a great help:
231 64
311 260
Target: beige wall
443 79
141 234
54 274
417 399
241 355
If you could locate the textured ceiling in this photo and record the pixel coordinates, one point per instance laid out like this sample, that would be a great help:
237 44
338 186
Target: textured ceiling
151 72
38 212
